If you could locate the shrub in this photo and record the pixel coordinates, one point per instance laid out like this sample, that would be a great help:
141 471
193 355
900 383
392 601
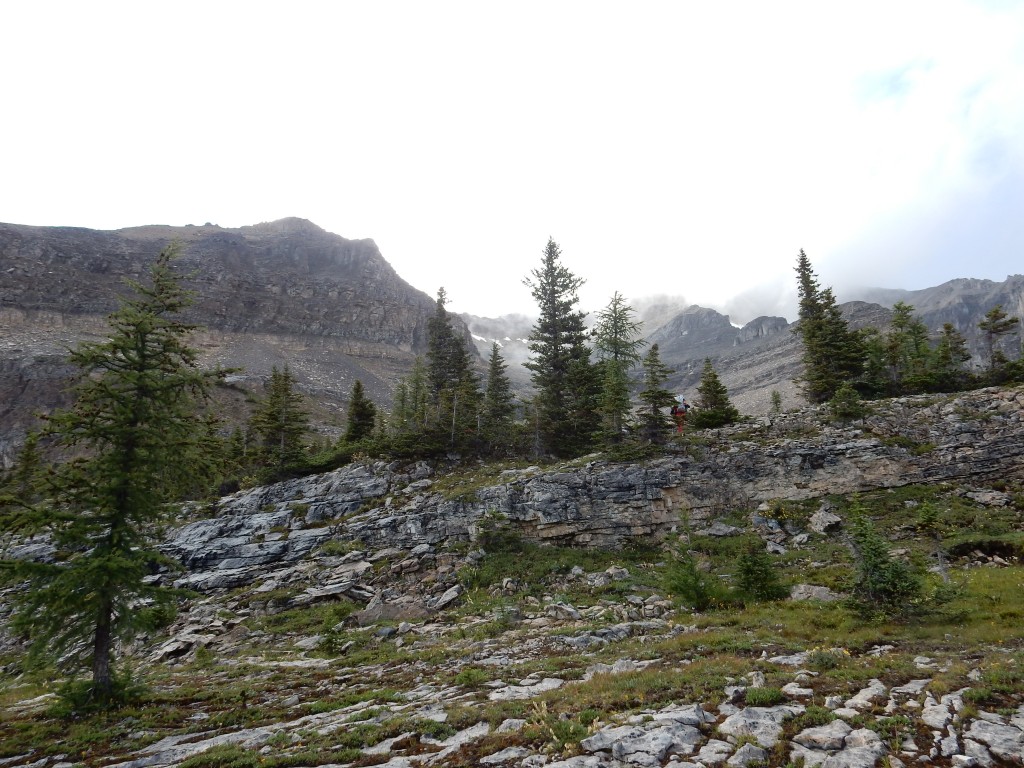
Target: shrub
764 697
223 756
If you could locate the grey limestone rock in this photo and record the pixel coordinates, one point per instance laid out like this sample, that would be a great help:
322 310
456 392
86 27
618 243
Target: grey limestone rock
763 723
1003 741
824 737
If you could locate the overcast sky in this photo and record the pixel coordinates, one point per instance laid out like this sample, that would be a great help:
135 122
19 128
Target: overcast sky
669 147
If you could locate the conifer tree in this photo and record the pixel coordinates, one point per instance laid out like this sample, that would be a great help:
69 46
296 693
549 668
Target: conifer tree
280 423
133 428
614 402
832 353
653 418
448 361
907 351
498 410
713 408
454 388
560 366
996 325
949 360
410 402
618 342
362 415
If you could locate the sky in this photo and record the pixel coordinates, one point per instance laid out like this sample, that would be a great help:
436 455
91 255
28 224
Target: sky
669 148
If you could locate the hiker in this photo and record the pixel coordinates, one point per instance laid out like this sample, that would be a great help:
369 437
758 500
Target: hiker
679 414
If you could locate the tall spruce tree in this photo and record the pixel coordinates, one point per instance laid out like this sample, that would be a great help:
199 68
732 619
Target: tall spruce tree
497 414
617 341
281 423
560 367
362 415
713 407
653 418
832 352
133 429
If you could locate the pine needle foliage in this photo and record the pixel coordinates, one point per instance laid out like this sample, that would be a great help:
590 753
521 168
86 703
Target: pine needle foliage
133 430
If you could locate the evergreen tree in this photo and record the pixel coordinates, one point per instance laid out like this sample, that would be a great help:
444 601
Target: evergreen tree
757 576
133 430
948 372
618 343
617 335
280 423
410 402
454 388
560 366
362 415
846 404
898 361
654 420
498 411
995 326
907 351
832 353
713 406
448 360
614 402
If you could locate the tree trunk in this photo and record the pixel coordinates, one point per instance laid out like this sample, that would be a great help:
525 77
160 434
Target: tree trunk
102 682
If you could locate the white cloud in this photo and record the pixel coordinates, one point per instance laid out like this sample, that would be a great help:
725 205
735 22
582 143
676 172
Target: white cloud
667 147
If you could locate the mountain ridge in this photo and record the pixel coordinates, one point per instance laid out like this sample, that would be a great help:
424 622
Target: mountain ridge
334 310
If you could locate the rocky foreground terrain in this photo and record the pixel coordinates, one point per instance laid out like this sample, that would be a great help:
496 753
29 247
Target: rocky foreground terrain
412 615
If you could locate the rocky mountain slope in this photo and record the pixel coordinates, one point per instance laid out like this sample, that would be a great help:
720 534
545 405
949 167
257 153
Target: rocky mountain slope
403 615
277 293
288 292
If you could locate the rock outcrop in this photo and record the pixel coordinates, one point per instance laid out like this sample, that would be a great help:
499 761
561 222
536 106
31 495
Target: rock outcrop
974 437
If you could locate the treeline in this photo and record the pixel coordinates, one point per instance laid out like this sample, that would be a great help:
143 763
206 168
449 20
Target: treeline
842 364
593 389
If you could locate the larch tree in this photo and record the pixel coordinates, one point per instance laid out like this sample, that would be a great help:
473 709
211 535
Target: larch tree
618 341
995 326
561 372
362 415
132 429
949 360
